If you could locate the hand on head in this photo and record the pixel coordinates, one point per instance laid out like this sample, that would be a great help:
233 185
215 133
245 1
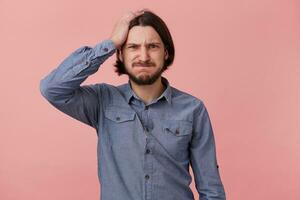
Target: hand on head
121 28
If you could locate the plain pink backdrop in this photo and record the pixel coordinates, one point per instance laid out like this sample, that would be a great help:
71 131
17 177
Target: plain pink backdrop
241 58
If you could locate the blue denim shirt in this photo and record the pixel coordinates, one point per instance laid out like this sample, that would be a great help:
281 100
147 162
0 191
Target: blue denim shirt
144 151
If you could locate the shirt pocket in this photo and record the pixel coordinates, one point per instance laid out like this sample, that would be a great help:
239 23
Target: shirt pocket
177 135
119 126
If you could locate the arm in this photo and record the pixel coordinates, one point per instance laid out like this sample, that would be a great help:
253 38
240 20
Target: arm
62 86
203 159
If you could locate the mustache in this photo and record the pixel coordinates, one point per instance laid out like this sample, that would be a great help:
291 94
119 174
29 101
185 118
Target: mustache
143 64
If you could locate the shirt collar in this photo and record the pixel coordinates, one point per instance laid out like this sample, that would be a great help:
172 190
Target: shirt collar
167 94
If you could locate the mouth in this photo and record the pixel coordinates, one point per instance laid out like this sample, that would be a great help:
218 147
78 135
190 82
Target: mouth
142 68
146 65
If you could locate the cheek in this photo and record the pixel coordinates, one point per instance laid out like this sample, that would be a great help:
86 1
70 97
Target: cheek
159 58
159 55
128 58
128 62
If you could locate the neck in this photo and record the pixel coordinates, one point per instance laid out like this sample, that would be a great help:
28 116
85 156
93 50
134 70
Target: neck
148 92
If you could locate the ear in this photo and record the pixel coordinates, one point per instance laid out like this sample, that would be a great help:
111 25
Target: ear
166 54
120 55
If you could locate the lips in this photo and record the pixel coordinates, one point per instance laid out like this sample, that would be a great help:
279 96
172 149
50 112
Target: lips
141 68
143 65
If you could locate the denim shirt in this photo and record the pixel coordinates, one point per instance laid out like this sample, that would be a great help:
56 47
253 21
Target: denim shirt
144 151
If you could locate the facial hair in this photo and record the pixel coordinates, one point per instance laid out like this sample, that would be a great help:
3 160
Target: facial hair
145 79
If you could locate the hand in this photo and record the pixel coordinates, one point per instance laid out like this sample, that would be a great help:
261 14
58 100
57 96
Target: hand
121 28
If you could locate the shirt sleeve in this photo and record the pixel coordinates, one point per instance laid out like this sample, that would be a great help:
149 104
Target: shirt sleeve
203 159
61 87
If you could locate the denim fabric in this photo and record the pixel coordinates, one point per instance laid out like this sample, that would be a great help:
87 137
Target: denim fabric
144 151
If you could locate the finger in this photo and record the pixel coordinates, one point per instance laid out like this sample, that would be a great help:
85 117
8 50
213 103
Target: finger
128 16
139 12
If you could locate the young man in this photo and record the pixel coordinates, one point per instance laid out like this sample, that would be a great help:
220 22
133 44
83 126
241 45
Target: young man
148 131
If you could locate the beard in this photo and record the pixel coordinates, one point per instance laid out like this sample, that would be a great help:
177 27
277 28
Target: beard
145 79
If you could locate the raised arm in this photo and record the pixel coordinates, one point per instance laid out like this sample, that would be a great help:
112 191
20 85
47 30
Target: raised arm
62 87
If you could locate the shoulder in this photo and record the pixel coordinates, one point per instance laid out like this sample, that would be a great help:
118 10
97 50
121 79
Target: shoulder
184 96
112 94
108 87
189 100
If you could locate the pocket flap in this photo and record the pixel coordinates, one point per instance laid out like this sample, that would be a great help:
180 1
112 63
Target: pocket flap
178 128
119 115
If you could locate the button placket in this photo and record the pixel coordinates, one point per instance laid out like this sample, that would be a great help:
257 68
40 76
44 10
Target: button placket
148 168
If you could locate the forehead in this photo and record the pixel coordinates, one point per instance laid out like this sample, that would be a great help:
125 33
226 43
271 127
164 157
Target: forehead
143 34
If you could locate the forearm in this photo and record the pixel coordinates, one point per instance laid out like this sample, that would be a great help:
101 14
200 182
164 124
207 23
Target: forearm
59 86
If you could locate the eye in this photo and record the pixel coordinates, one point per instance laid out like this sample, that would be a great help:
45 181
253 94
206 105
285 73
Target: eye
132 47
151 46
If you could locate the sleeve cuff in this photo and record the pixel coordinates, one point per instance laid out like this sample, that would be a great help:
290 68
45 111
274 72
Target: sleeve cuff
105 47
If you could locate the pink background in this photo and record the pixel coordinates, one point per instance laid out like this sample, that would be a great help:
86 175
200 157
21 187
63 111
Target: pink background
240 57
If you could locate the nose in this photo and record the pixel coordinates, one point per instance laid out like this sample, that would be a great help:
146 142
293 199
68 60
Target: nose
144 54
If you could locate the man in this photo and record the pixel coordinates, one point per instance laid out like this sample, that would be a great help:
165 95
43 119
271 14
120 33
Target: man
148 131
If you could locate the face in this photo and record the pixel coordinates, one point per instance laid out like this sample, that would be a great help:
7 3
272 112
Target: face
143 55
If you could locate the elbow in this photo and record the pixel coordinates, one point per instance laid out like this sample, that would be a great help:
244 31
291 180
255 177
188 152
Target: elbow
54 93
43 88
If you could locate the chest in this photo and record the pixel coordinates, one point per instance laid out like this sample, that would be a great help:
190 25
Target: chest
169 129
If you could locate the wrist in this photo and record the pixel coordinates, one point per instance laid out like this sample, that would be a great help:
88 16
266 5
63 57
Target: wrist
116 44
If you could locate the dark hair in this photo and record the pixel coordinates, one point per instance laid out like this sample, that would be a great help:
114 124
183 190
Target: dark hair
148 18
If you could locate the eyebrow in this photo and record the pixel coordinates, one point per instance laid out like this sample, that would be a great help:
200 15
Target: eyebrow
157 43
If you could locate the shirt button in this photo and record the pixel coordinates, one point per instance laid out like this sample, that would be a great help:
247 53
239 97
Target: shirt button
118 118
177 132
147 151
147 177
146 129
146 107
105 49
